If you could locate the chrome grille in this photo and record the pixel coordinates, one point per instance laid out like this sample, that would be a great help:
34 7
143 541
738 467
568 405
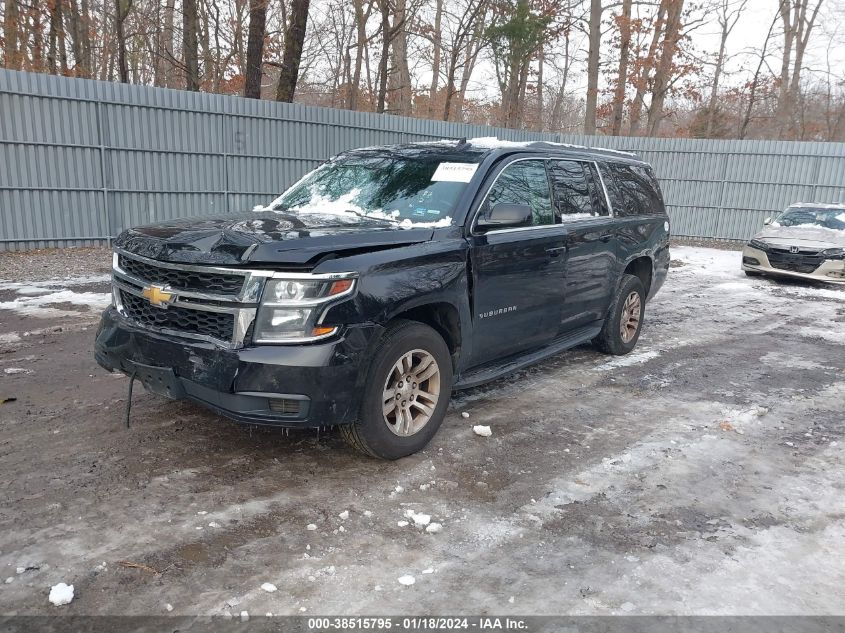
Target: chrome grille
203 302
177 279
218 325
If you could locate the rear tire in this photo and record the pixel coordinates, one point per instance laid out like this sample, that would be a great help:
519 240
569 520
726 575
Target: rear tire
622 327
398 417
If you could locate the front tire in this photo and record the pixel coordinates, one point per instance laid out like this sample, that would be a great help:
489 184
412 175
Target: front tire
409 383
621 329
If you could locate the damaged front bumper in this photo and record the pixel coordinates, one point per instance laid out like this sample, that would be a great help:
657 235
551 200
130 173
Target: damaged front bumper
306 385
756 260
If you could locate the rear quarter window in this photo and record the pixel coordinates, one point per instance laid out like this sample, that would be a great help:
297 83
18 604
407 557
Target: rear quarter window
633 189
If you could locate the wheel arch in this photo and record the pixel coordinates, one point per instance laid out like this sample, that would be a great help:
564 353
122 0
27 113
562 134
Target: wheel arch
641 266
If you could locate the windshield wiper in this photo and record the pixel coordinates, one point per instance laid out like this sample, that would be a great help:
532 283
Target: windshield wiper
370 217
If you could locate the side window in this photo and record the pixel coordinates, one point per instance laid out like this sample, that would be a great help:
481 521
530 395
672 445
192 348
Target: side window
638 190
576 190
524 182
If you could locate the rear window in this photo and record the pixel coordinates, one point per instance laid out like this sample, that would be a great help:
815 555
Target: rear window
634 190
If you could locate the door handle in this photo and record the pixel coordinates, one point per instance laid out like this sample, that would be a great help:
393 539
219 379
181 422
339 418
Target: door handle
555 251
606 237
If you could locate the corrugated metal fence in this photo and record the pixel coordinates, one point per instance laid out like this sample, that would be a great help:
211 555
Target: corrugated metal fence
81 160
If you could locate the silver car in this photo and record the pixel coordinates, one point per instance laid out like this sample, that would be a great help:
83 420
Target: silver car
806 241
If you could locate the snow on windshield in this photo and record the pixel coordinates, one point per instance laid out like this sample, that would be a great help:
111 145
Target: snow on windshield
410 191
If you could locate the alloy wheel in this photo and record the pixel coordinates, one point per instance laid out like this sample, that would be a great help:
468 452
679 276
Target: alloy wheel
629 322
411 392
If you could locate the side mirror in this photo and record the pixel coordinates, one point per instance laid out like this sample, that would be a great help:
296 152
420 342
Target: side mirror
767 221
506 214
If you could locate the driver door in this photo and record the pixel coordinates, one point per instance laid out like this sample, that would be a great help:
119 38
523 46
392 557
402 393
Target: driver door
517 273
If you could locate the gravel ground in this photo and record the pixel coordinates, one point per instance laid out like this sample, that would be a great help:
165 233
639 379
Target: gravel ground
701 474
54 263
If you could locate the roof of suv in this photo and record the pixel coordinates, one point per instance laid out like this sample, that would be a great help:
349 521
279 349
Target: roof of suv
480 147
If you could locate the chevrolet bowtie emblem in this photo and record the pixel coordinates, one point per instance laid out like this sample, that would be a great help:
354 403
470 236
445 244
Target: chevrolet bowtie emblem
157 296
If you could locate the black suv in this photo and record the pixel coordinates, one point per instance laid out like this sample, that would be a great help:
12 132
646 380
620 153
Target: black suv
386 278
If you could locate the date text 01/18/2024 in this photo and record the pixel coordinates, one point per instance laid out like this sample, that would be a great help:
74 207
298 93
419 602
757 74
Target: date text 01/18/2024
420 623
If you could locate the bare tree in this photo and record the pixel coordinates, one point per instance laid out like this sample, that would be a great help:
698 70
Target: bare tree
623 23
596 11
255 48
121 12
190 45
294 39
728 13
11 23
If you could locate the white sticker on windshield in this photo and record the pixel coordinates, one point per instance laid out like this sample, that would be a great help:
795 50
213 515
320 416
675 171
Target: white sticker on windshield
454 172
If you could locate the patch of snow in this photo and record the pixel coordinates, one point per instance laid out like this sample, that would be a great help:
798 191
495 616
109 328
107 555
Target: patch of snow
244 616
214 524
344 515
402 523
421 520
39 306
12 371
311 527
269 587
434 528
465 415
61 594
492 142
629 360
168 607
10 580
406 580
367 513
399 489
428 571
483 431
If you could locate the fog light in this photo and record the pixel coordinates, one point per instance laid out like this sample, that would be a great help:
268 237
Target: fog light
284 406
751 261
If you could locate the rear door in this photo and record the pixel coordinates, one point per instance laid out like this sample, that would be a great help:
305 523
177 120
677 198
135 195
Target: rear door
517 273
581 204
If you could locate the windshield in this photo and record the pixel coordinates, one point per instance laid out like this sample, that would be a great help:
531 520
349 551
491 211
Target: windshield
808 216
410 191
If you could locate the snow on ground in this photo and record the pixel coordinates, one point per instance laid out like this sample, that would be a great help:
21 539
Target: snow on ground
43 299
702 477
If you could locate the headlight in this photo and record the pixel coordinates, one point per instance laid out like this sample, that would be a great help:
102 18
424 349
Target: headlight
759 245
834 253
291 309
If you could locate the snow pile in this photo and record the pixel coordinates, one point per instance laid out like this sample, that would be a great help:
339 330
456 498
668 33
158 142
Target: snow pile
483 431
269 587
434 528
61 594
406 580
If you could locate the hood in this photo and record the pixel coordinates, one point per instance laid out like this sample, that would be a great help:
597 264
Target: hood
807 236
265 237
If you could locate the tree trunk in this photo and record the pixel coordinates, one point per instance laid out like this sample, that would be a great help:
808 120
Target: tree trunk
802 37
11 26
360 43
294 40
190 47
402 74
255 48
384 6
541 59
436 43
717 74
121 11
624 22
55 8
784 106
644 78
663 74
596 11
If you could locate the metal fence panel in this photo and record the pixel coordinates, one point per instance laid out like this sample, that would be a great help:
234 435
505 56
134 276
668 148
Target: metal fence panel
81 160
